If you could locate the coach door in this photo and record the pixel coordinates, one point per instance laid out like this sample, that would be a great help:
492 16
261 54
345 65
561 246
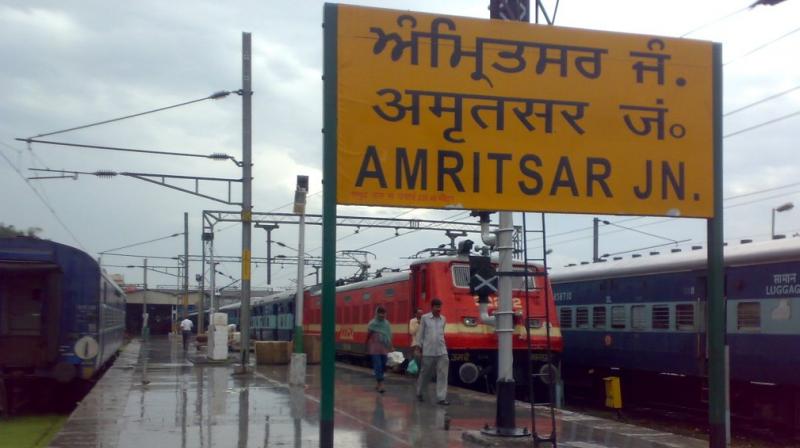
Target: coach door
419 278
30 300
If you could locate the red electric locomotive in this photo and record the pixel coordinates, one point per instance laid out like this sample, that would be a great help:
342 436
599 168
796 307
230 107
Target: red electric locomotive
472 345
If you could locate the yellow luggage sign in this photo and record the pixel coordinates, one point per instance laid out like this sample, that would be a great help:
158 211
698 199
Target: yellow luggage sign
449 112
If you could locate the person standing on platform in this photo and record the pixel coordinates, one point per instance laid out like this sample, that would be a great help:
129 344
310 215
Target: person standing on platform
433 349
413 330
186 332
379 344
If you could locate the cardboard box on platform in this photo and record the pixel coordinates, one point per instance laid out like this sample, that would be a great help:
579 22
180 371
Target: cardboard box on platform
312 347
272 352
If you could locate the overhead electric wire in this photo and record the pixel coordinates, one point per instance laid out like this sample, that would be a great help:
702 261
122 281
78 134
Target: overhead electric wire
605 233
142 243
41 198
583 229
270 211
794 232
155 257
764 100
34 156
284 245
645 248
760 125
128 266
766 190
386 239
216 95
452 217
639 231
215 156
775 120
668 219
763 199
762 46
358 231
715 21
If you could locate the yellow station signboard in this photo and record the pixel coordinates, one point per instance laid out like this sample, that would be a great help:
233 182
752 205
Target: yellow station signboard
448 112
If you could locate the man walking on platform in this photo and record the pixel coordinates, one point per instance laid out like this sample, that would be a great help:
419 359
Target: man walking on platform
186 332
430 337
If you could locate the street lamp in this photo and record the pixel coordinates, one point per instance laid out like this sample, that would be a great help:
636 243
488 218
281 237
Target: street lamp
269 228
297 369
778 209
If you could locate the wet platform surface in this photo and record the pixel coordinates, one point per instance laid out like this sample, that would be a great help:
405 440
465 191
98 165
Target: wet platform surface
156 396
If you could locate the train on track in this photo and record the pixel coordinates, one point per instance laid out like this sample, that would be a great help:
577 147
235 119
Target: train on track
644 319
62 319
472 345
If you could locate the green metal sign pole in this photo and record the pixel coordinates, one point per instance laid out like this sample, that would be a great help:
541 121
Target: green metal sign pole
328 368
718 410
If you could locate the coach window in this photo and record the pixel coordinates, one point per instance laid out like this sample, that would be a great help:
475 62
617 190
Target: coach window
638 319
389 292
748 316
599 317
367 296
618 316
660 317
565 316
582 317
684 317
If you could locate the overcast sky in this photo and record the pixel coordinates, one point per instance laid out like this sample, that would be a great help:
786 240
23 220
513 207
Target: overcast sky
71 63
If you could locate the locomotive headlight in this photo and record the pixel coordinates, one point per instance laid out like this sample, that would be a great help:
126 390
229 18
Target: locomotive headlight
534 323
470 321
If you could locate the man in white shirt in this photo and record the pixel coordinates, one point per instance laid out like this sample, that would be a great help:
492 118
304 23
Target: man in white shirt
430 338
413 327
413 330
186 332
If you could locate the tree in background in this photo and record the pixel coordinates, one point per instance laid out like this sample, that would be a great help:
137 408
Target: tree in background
10 231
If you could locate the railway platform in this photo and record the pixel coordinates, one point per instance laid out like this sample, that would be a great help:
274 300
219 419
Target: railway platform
156 395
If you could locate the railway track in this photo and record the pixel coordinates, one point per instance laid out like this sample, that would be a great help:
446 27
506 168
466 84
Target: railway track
692 421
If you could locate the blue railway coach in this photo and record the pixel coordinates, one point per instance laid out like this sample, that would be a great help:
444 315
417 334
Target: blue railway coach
271 319
644 320
61 317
